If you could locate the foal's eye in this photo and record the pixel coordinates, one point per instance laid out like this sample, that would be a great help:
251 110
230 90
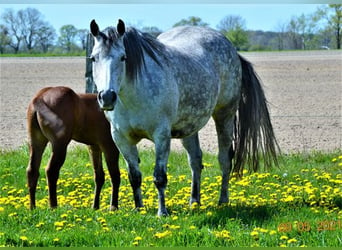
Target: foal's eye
123 58
92 58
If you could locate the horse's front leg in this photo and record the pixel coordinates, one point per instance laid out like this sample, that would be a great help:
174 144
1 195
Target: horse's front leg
162 148
130 153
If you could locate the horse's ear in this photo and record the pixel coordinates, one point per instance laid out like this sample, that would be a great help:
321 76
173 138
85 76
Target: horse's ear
94 28
121 27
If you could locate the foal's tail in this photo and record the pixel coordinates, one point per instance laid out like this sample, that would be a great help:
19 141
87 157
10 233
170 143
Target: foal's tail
254 133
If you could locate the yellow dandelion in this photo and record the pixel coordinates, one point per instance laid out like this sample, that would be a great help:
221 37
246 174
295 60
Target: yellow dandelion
23 238
284 237
194 205
255 235
63 216
2 209
174 227
59 223
293 240
135 243
55 239
40 224
138 238
163 234
13 214
192 227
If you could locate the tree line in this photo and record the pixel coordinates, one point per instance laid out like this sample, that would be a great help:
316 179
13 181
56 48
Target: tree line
26 31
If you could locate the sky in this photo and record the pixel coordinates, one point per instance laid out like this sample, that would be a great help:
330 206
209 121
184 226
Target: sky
265 17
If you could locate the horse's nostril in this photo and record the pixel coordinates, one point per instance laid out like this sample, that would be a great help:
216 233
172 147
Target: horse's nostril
99 96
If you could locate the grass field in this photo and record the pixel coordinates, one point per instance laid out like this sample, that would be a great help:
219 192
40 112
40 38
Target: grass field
298 204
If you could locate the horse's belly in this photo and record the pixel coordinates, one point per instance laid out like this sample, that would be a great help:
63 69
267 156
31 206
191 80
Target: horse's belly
190 123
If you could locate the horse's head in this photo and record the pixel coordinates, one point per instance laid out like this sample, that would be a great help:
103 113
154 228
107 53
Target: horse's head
108 58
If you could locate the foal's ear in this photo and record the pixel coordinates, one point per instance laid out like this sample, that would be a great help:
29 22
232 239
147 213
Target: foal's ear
121 27
94 28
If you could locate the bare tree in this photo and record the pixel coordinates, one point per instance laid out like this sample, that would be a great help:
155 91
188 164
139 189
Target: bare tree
281 35
45 37
26 27
31 21
293 34
12 24
82 35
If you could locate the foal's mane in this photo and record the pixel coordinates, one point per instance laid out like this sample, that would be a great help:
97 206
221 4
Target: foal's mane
136 43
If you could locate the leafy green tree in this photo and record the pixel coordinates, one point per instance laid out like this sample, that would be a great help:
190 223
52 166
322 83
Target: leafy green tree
332 15
234 28
4 38
67 38
192 21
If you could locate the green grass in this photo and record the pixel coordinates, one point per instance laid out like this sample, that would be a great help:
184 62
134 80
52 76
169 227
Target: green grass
298 204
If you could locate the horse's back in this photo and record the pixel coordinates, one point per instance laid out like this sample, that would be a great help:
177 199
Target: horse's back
196 40
208 74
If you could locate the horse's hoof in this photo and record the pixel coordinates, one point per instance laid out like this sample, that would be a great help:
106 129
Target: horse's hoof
113 208
223 202
162 213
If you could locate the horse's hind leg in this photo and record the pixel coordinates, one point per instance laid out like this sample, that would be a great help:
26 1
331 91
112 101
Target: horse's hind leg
112 159
99 176
224 128
192 146
37 145
52 171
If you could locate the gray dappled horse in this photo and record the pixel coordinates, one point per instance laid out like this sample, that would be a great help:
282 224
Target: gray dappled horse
169 87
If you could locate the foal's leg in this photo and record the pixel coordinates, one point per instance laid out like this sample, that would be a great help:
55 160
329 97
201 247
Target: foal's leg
224 128
112 159
37 146
99 176
192 146
52 171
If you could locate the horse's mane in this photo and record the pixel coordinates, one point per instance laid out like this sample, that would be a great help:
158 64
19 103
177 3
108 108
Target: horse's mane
136 43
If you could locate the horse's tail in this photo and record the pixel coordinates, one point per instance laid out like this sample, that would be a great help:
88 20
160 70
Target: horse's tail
254 134
48 118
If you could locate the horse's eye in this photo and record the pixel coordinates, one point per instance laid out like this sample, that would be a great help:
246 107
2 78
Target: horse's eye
92 58
123 58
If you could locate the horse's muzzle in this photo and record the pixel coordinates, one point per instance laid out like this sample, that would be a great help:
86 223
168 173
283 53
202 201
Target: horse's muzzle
106 99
